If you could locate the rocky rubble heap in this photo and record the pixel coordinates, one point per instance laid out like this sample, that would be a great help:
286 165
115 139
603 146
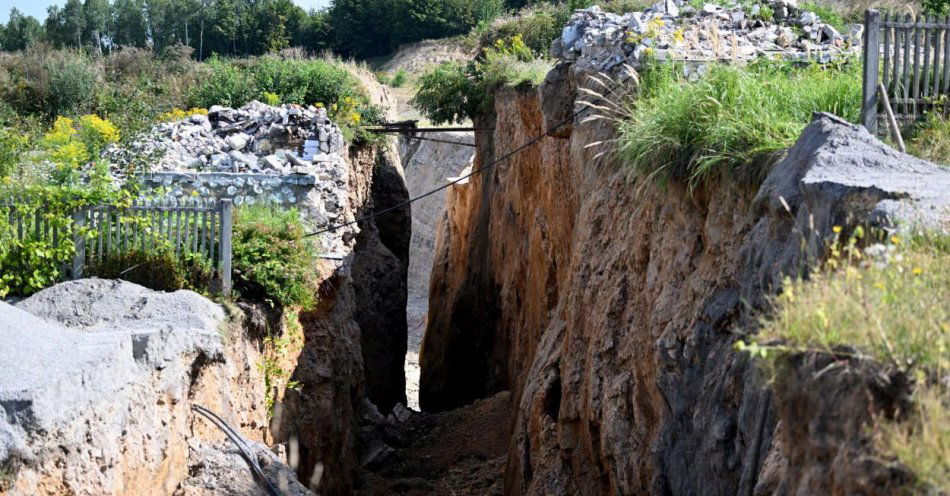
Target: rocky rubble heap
599 40
255 138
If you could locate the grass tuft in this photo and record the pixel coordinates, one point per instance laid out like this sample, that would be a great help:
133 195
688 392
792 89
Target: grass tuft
890 301
931 140
726 121
922 443
887 302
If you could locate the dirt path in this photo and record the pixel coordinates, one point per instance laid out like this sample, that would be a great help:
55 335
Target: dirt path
462 452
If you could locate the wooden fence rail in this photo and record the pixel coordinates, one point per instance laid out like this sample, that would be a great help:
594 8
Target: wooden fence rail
911 58
199 227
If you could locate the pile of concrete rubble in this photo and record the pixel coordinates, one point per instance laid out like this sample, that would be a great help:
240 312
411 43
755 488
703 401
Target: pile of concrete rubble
255 138
599 40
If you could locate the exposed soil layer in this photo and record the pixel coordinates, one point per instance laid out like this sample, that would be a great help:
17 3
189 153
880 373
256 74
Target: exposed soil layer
461 452
609 306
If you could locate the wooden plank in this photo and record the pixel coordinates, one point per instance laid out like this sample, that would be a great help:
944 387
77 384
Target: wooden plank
156 230
133 218
225 247
905 109
896 66
872 23
178 230
915 24
79 242
915 89
99 232
213 235
938 60
194 238
203 233
885 76
895 130
186 228
945 90
109 228
925 91
170 215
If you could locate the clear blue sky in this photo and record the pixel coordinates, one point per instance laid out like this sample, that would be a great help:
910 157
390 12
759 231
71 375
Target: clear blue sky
37 8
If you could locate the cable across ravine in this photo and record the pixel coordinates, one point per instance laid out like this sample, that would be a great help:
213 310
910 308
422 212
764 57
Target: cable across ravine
485 167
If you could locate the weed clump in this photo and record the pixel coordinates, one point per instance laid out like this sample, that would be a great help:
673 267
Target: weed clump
453 91
158 269
725 122
886 302
272 260
931 140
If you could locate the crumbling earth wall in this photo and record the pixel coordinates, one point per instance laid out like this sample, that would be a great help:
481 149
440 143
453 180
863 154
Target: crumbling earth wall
608 306
98 380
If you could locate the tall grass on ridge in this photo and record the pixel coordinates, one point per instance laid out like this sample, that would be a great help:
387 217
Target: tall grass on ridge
887 302
730 118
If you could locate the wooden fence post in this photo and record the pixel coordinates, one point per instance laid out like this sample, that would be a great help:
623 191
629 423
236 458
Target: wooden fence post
79 241
224 248
872 53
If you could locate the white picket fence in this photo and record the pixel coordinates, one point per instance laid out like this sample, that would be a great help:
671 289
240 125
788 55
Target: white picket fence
200 227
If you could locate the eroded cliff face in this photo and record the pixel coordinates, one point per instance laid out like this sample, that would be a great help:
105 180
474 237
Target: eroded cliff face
99 380
355 339
609 306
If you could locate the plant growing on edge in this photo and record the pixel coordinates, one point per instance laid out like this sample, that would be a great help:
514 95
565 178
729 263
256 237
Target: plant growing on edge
728 120
885 302
272 260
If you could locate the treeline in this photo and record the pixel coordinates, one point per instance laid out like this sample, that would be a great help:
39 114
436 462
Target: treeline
359 28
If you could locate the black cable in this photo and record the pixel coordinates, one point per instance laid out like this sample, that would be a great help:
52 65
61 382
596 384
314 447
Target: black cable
459 179
242 446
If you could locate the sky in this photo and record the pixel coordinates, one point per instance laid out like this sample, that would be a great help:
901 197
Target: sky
37 8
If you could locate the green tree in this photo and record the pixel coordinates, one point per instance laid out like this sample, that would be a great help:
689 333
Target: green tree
55 32
363 27
21 31
129 26
316 32
73 22
97 14
937 7
227 21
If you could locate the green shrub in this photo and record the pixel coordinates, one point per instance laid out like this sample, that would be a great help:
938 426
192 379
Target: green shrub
272 260
937 7
399 79
887 303
447 93
931 140
72 85
537 26
453 92
225 84
158 269
12 145
728 120
304 82
33 263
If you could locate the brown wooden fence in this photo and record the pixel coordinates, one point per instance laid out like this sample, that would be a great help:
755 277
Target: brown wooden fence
910 56
200 227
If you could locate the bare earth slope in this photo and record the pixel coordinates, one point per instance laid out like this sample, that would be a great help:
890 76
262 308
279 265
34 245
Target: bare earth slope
609 307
